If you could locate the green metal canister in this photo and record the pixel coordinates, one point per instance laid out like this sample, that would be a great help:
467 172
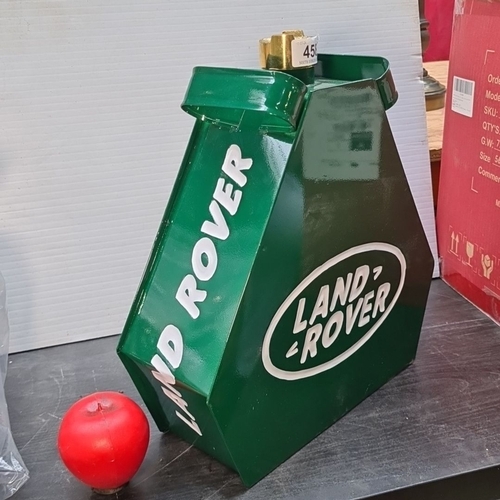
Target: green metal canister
289 277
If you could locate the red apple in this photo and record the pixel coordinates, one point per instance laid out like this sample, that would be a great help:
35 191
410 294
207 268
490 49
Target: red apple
103 439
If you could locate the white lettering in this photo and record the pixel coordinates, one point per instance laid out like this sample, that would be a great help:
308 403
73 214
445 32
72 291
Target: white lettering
337 318
360 302
382 293
187 294
492 96
164 376
163 373
359 282
321 306
204 247
190 423
312 337
300 324
351 316
175 396
204 262
364 317
341 291
223 194
489 175
171 346
493 79
219 228
234 164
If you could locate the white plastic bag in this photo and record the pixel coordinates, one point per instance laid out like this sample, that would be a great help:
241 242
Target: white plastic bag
13 472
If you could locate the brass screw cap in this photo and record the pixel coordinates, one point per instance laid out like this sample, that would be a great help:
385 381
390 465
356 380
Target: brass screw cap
289 50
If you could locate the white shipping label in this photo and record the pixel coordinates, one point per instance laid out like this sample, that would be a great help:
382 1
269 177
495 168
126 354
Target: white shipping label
304 51
462 101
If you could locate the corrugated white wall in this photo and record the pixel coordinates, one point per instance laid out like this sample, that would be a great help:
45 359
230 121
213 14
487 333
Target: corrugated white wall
91 134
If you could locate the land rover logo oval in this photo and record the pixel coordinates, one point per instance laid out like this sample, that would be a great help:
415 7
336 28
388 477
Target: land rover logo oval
334 311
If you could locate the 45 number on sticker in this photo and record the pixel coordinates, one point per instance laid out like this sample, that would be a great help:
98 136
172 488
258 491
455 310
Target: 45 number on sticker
310 51
304 51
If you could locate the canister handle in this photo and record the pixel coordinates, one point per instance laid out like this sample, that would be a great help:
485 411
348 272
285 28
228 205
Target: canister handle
268 100
352 68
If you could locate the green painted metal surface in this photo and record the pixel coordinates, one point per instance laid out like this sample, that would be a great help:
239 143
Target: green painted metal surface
289 277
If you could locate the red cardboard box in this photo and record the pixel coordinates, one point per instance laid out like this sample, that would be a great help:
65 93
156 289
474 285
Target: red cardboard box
468 218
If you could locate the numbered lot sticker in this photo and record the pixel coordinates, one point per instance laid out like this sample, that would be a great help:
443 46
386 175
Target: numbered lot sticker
304 51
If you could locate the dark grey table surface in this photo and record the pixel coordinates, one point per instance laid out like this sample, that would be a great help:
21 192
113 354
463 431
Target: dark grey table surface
439 417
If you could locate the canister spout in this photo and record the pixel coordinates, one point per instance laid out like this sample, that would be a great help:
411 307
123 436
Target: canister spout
291 52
